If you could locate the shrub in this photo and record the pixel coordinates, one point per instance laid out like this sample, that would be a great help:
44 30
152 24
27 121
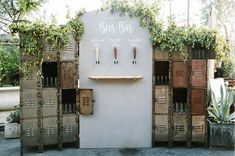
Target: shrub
9 65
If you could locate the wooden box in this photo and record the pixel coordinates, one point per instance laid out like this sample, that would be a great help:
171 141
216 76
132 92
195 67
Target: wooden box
30 81
69 75
161 99
86 101
180 74
30 103
30 132
198 128
50 130
161 127
180 127
202 54
177 57
50 102
70 53
160 55
198 101
49 54
199 73
70 128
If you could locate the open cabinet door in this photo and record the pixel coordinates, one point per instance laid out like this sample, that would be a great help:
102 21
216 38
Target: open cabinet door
86 101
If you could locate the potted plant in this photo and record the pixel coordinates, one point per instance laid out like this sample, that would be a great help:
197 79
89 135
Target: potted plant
221 120
12 128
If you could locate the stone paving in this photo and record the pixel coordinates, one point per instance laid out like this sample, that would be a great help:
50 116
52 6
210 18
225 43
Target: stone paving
11 147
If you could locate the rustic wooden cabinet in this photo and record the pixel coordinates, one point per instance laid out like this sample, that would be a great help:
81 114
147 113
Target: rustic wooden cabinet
179 106
48 99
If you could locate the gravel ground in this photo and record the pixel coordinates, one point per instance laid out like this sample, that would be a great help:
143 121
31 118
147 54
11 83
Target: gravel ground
11 147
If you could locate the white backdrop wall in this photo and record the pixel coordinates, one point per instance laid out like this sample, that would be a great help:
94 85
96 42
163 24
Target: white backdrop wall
123 108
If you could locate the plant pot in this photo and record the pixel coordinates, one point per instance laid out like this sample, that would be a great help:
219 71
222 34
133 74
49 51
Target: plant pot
12 130
221 135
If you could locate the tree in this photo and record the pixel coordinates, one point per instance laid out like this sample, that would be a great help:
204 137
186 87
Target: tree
16 10
225 13
9 65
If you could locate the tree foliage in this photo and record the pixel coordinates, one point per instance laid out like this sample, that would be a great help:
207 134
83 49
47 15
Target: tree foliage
9 65
173 38
225 13
16 10
35 36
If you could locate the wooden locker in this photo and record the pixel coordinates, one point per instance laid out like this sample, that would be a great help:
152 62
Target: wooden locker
180 74
86 101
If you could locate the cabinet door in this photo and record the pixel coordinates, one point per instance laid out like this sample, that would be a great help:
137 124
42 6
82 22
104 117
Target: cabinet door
161 99
199 73
30 132
180 127
49 102
198 128
30 103
180 74
70 53
50 130
161 127
70 128
69 75
86 101
198 102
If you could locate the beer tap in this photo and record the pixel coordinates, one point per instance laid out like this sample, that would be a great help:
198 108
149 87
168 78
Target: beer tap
97 53
115 55
134 55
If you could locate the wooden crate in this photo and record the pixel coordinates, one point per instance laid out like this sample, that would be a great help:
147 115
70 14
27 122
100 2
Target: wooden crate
177 57
50 130
161 99
161 127
30 103
86 101
49 102
71 51
49 54
160 55
30 132
70 128
180 127
198 128
69 75
202 54
180 74
30 81
198 101
199 73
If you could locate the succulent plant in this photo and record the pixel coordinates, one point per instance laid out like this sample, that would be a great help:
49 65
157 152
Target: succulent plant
219 109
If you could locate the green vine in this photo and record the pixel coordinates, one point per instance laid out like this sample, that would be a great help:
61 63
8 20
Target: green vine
147 15
34 37
173 39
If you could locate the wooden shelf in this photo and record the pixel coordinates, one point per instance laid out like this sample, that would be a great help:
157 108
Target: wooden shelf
115 77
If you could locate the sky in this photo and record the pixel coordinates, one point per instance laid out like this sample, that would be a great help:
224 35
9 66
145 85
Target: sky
58 8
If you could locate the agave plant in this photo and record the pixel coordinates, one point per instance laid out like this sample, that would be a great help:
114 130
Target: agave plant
219 109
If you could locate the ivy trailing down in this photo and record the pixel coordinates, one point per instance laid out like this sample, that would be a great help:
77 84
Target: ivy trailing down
34 37
172 39
147 15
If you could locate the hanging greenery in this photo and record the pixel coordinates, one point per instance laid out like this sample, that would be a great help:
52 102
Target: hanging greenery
173 39
147 14
35 35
